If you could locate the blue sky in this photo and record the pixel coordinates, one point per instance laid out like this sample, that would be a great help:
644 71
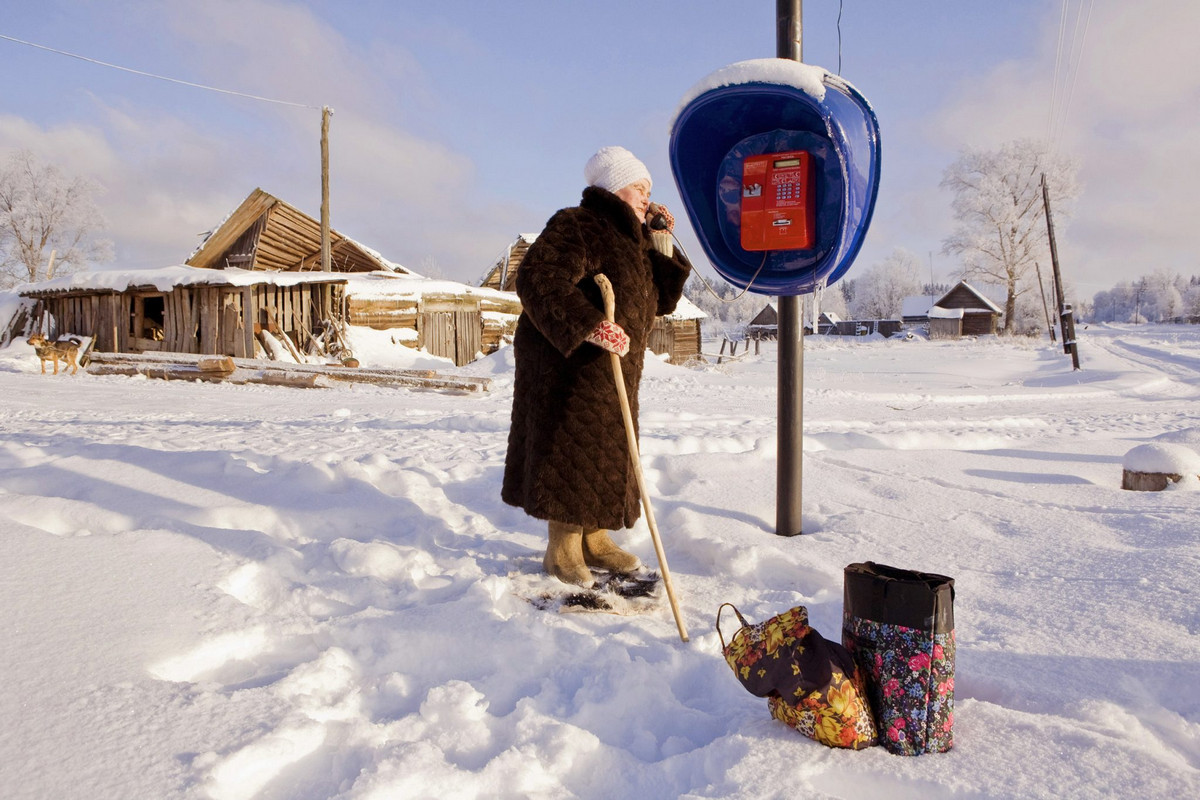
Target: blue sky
459 125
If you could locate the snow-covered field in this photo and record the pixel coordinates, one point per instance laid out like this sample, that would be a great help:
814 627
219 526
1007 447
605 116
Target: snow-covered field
216 591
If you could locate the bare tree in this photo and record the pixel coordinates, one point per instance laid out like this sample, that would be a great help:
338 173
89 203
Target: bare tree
43 212
879 293
1002 225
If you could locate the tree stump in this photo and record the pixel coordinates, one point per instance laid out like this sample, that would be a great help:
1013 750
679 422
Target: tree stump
1148 481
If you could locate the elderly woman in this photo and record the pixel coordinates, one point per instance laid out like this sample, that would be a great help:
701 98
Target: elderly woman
568 459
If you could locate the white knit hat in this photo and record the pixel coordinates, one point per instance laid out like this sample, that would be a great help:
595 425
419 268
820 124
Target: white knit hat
614 168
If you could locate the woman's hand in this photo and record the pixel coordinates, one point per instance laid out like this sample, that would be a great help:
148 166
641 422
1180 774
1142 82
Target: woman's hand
610 336
654 212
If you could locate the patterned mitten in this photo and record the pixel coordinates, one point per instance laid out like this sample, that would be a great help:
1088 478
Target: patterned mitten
611 337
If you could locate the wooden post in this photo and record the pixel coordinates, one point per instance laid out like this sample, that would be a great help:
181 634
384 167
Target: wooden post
1065 315
1046 308
326 113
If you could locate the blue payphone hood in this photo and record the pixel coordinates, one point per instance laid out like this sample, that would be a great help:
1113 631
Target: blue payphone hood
772 105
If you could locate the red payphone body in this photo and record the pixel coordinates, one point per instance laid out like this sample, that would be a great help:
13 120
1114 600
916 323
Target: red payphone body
779 201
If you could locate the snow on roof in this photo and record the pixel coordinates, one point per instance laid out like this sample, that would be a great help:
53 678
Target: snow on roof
916 305
375 254
166 278
782 71
937 312
359 284
388 284
686 309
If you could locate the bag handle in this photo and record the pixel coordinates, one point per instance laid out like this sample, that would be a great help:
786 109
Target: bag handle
741 619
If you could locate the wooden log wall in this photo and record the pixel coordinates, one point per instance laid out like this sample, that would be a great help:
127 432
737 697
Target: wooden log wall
214 320
84 315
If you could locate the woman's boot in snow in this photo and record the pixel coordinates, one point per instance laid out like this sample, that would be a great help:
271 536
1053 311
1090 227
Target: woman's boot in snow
564 555
601 552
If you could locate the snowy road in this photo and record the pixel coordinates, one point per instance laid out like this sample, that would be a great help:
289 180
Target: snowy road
261 592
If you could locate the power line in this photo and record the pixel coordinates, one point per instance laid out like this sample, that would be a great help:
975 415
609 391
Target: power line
159 77
1066 66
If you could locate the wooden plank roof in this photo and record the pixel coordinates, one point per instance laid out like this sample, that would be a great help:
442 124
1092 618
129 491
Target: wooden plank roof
266 233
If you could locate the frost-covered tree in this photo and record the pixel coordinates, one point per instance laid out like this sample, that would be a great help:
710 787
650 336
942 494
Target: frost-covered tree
42 211
1002 224
1163 298
879 292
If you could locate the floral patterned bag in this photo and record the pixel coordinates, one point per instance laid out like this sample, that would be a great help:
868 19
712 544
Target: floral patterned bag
899 626
811 683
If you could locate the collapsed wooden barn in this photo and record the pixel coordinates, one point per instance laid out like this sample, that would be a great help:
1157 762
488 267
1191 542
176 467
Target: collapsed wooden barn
265 233
234 312
253 288
502 274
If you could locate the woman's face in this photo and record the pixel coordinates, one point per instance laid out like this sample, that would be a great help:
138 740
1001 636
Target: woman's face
637 195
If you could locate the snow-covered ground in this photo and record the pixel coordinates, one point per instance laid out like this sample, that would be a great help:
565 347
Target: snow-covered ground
217 591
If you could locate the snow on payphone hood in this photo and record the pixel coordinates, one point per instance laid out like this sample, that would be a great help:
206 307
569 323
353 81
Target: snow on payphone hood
785 72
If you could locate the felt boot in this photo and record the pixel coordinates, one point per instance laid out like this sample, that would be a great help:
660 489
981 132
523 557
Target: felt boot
601 552
564 555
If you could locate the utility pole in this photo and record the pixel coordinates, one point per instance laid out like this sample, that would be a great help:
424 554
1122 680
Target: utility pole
326 258
790 436
1065 316
1045 307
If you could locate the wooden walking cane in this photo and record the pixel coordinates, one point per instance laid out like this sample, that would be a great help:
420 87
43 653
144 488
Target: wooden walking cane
610 311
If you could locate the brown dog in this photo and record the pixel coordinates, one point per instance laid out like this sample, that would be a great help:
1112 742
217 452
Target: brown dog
67 350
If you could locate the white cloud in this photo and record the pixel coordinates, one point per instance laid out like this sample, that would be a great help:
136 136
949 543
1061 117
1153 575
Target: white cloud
1132 122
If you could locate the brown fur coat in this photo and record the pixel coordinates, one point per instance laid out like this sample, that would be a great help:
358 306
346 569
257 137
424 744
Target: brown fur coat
568 459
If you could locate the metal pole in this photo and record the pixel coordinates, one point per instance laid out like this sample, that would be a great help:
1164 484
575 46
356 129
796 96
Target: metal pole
788 522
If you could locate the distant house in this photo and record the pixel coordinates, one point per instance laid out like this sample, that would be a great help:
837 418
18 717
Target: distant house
765 324
676 335
964 308
827 321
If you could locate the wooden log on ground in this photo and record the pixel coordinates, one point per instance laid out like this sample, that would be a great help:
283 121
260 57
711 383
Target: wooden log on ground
180 366
218 364
1148 481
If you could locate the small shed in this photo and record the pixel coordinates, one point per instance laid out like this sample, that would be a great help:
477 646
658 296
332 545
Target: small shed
677 335
945 323
980 316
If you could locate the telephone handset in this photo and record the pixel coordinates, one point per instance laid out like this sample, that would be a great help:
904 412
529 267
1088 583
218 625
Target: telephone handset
779 200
